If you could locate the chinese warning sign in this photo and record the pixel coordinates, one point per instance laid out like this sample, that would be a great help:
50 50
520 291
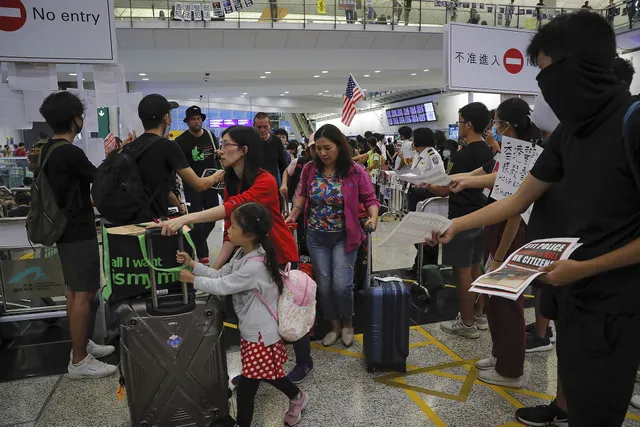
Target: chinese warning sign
489 59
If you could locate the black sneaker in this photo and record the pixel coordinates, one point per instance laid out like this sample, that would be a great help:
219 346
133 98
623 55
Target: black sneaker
535 343
531 329
543 415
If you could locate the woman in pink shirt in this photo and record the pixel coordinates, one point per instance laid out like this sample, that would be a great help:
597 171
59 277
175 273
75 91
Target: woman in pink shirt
329 194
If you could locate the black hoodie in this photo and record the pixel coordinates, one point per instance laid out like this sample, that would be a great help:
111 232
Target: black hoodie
600 197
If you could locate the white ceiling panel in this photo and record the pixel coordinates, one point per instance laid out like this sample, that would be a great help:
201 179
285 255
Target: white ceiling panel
171 39
272 39
239 39
331 39
302 39
434 42
414 41
205 39
388 40
360 40
135 39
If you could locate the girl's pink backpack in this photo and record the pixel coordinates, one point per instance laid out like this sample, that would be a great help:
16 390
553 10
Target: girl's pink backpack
296 306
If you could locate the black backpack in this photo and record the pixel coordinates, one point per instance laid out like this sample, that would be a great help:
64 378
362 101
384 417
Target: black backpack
118 191
46 221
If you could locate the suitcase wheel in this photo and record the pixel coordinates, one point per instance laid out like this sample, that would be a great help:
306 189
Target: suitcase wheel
402 368
371 369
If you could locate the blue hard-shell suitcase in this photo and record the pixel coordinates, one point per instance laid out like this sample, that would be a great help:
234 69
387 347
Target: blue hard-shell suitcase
386 330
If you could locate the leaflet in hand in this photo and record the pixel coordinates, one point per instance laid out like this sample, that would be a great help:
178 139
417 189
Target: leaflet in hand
522 267
416 227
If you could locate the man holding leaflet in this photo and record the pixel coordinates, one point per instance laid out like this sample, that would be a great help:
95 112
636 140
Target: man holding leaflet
599 314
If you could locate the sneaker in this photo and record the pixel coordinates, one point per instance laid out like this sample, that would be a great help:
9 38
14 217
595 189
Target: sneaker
543 415
330 339
300 372
486 364
492 377
635 401
204 261
91 367
236 380
456 327
294 414
531 329
97 350
482 322
536 344
347 337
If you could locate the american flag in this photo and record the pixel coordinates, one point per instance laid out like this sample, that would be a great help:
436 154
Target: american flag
351 96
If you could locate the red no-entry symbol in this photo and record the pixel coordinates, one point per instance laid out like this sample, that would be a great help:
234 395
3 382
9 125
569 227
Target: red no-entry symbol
513 61
13 15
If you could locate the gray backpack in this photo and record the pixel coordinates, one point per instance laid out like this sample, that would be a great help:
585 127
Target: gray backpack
46 221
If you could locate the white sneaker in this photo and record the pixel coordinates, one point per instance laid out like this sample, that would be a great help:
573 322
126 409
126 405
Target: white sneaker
456 327
97 350
492 377
91 367
482 322
486 364
635 401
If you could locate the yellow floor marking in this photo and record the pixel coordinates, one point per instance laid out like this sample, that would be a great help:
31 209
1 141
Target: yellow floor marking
230 325
338 351
512 424
633 416
531 393
435 419
420 344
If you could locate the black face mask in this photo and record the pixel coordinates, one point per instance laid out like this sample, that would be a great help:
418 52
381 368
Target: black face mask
577 90
79 128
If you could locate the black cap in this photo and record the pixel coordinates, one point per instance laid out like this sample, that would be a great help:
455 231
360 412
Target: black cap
194 110
154 107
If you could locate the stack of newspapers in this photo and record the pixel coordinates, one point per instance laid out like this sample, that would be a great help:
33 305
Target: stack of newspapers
523 266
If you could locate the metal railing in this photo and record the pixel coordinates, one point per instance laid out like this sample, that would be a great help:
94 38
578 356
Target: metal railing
400 15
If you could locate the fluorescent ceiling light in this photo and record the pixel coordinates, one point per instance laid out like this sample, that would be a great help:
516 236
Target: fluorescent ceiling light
73 74
244 93
377 71
324 72
413 74
326 91
145 78
367 75
425 70
286 92
316 77
142 74
267 72
263 77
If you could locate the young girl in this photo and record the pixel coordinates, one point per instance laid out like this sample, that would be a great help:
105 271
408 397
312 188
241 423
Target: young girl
254 268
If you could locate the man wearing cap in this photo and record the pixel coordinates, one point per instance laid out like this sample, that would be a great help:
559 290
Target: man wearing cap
199 147
163 159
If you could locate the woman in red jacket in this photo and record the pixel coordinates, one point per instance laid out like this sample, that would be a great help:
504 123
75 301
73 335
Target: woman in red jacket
241 154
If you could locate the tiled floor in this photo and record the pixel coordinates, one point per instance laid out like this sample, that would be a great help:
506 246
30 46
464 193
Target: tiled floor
342 392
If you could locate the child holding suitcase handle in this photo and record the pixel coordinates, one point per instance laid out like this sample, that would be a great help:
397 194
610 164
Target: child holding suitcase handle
262 350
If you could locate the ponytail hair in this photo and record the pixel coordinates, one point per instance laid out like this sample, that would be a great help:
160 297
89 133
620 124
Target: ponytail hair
517 112
254 219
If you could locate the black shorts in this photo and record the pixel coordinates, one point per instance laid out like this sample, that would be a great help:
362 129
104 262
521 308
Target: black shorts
80 265
465 250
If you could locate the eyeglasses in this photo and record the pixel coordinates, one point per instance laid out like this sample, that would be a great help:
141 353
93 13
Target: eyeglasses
500 123
224 145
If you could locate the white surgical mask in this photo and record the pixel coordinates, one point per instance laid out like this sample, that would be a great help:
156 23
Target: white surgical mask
543 116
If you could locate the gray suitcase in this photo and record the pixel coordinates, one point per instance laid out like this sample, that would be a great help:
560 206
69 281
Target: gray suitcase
172 359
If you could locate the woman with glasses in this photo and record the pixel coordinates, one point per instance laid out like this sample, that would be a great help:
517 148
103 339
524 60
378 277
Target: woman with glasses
245 181
505 365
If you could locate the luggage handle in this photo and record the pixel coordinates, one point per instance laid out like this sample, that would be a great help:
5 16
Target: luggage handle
367 278
147 254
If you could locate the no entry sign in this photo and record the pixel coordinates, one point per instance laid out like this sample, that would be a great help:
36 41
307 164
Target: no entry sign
13 15
489 59
513 61
83 31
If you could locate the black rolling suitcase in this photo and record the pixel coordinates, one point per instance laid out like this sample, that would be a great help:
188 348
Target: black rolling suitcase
386 328
172 359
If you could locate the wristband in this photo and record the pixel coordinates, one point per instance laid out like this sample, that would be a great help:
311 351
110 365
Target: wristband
497 260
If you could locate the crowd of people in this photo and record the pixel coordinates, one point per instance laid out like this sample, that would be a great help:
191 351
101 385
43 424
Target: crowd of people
330 186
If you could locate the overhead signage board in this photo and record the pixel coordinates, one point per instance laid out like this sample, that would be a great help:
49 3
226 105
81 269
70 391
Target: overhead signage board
61 31
480 58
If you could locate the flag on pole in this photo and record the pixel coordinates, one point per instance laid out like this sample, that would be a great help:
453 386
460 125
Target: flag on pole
351 96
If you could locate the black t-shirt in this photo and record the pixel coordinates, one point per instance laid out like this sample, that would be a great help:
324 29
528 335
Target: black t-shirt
200 152
273 158
601 205
471 157
157 167
70 174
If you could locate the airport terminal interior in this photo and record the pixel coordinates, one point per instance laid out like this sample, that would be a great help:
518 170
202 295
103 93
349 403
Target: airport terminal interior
370 69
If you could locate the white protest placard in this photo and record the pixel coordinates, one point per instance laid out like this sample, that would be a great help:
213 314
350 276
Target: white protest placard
197 12
481 58
238 5
32 76
109 82
129 120
12 113
72 31
416 227
517 157
178 11
218 10
207 11
186 15
228 7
